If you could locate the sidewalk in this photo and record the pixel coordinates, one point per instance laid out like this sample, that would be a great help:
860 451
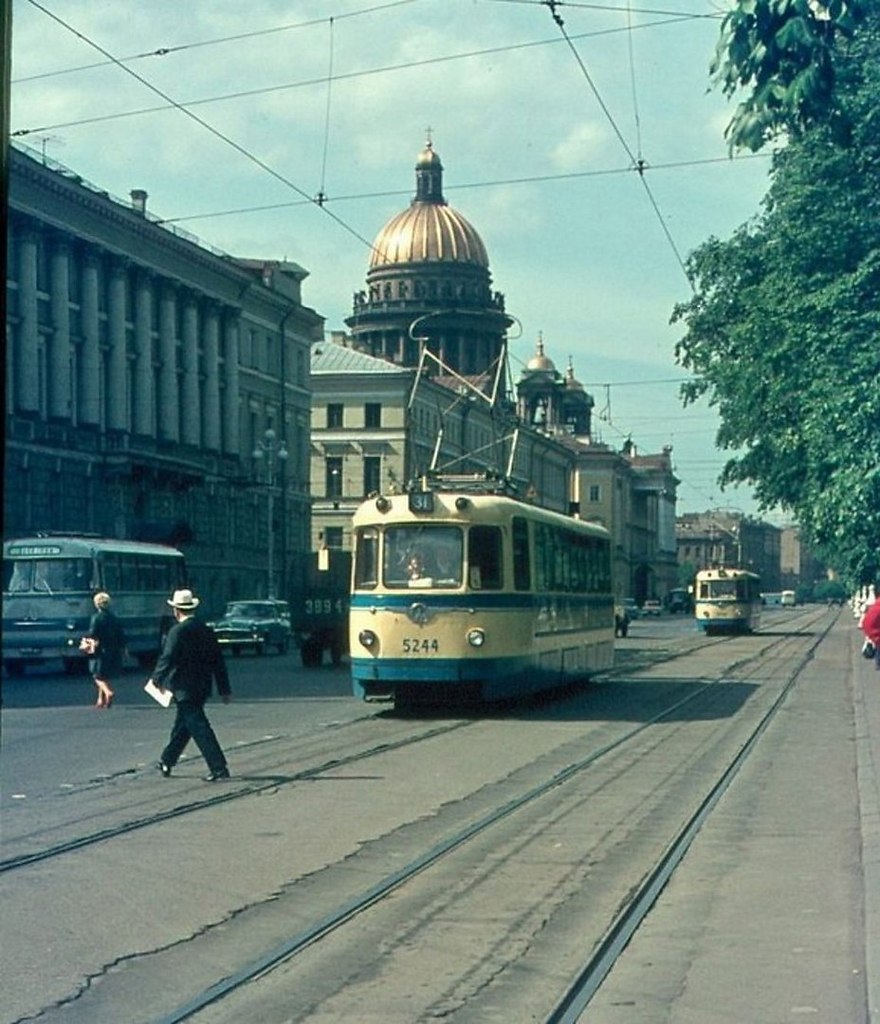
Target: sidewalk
774 915
866 699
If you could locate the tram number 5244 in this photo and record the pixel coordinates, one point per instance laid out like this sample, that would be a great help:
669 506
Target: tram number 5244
417 645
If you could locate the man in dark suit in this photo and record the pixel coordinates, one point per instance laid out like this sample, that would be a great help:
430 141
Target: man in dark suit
190 660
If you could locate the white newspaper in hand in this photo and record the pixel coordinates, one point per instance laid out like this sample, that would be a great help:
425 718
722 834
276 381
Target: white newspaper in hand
163 697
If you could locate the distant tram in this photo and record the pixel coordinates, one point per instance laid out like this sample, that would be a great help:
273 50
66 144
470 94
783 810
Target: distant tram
48 585
458 595
727 601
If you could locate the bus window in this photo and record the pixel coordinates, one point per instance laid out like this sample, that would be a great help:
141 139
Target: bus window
522 575
366 558
61 575
484 558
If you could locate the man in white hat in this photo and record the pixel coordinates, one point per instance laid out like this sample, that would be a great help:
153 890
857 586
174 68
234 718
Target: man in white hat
190 661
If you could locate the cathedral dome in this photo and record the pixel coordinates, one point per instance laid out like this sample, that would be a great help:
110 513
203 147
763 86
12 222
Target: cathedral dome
539 361
429 231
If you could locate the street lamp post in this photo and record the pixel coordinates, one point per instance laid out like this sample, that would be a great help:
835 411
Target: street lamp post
271 452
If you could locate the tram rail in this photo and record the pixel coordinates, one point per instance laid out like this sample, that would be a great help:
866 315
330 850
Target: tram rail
576 997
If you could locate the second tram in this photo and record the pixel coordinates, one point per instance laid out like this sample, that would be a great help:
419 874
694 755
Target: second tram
459 595
727 601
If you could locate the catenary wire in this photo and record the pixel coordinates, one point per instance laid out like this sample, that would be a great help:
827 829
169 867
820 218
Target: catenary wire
341 77
638 162
165 51
208 127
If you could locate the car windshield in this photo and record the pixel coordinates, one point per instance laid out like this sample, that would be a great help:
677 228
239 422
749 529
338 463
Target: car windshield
250 610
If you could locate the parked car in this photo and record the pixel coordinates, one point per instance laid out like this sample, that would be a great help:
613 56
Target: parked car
254 625
652 607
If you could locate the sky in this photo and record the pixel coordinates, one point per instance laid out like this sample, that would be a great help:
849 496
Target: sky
253 110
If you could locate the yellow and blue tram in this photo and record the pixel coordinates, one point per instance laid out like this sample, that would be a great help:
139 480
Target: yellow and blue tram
727 601
475 596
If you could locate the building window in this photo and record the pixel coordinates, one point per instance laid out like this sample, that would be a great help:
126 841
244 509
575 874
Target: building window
333 536
373 414
333 484
595 492
372 474
334 415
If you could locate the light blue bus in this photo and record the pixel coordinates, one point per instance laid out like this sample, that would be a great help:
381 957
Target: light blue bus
48 585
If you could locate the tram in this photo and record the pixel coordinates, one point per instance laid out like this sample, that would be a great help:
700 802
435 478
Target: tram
49 581
727 601
460 595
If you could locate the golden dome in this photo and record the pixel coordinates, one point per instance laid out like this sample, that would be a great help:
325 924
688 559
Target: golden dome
429 231
539 361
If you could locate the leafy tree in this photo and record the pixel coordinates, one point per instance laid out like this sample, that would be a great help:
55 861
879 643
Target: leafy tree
782 50
783 328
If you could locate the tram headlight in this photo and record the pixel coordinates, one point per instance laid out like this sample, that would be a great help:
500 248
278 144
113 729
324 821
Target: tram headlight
368 638
476 637
382 503
461 503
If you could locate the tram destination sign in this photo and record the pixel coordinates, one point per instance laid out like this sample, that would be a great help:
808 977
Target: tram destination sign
33 550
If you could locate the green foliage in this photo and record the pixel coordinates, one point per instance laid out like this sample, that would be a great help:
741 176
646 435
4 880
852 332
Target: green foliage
783 329
782 51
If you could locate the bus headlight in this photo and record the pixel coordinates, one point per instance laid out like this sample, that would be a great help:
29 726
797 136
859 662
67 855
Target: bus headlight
476 637
368 638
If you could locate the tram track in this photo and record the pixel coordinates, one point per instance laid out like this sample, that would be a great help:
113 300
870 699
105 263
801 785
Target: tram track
572 1002
229 794
272 779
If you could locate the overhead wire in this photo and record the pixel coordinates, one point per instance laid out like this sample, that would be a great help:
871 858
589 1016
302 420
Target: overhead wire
341 77
322 195
165 51
489 183
206 125
639 164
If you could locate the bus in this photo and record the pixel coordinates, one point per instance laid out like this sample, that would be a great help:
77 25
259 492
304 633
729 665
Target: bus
727 601
48 585
459 595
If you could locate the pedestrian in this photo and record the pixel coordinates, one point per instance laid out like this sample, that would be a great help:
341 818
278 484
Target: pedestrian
871 627
105 644
190 661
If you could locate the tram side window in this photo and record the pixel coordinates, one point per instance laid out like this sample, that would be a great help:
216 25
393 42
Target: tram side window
522 574
366 571
484 558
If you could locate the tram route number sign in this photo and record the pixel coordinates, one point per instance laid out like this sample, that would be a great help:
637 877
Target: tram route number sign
421 645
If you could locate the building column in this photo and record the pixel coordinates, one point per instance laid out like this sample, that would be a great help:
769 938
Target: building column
27 348
117 377
58 376
142 398
89 364
190 410
231 429
168 427
211 425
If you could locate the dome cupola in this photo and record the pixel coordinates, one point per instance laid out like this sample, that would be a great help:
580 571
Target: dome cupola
429 285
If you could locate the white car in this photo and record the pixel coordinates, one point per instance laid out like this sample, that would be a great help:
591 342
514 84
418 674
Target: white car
652 608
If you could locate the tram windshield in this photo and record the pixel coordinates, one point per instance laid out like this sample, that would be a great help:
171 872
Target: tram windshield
423 556
730 590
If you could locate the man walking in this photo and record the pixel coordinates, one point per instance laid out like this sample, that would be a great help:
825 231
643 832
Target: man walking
191 658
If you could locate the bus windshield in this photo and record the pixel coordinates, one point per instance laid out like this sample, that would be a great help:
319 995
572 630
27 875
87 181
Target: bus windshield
48 576
423 556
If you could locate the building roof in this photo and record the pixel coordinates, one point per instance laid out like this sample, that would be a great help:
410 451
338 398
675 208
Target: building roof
330 357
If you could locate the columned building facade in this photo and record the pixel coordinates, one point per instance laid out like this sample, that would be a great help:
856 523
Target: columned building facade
142 371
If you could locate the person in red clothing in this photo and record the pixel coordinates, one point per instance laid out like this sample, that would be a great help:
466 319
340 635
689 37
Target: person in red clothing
871 628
